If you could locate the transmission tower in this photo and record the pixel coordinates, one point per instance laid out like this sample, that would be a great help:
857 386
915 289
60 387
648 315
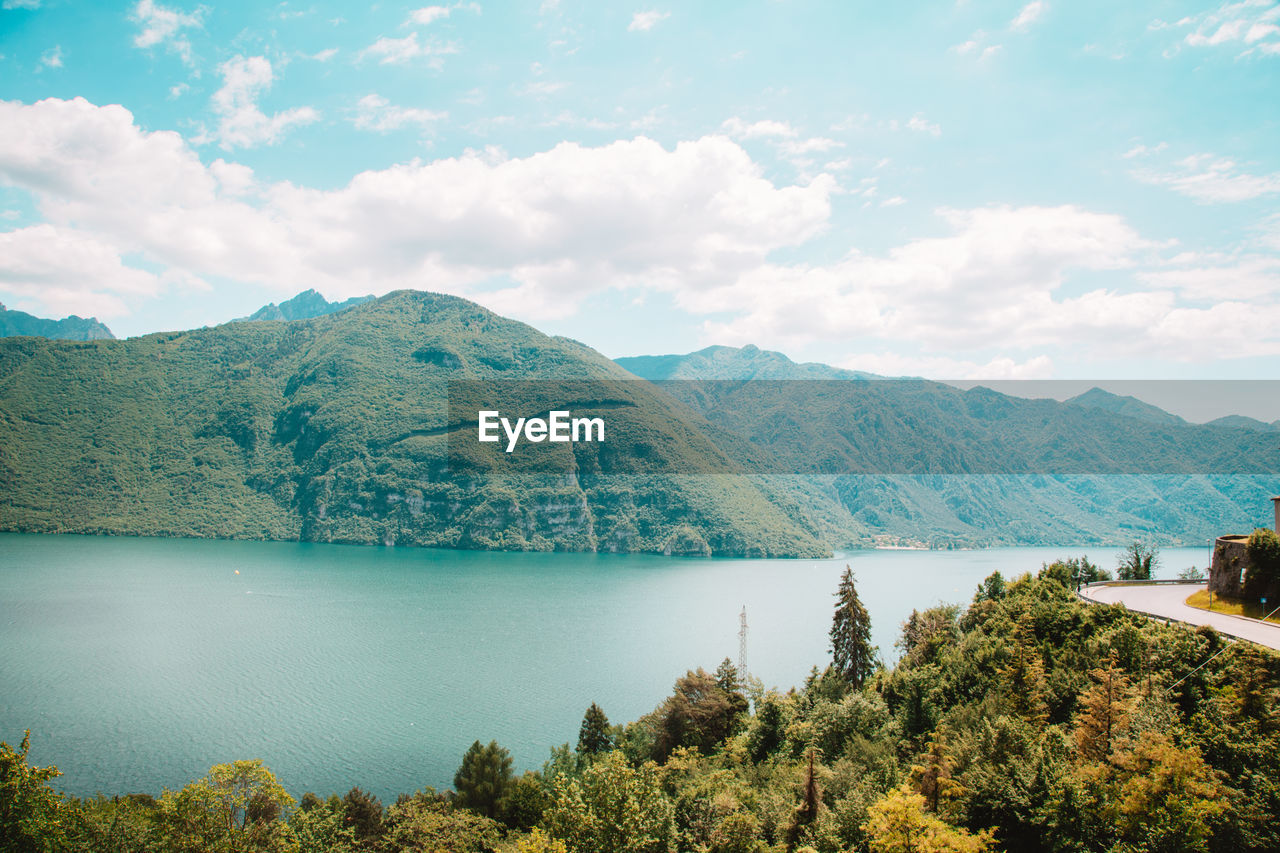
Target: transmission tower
742 644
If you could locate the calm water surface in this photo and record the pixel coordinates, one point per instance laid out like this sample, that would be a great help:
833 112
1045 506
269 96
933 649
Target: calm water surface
138 663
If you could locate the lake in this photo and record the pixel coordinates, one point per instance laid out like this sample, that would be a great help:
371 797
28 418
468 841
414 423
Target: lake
138 663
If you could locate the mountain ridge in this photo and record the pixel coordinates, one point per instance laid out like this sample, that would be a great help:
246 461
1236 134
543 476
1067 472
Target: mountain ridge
71 328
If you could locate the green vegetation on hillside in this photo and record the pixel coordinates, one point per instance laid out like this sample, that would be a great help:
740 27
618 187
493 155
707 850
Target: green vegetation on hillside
1028 721
335 429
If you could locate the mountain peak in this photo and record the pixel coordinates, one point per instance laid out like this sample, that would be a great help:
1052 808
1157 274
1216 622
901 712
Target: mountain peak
1119 404
307 304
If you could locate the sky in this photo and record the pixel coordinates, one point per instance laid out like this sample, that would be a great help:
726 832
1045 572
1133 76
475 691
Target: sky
996 190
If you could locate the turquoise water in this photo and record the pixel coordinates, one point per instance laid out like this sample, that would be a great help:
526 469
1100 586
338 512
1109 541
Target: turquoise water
138 663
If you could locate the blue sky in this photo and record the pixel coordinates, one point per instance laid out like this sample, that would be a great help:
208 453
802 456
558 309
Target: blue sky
954 189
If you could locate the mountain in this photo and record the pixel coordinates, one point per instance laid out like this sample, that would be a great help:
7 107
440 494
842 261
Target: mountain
1244 422
717 362
338 428
916 462
1129 407
304 306
73 328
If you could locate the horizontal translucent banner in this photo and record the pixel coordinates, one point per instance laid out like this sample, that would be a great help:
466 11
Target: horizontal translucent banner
891 426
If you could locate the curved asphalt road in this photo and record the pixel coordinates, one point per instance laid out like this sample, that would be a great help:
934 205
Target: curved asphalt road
1166 602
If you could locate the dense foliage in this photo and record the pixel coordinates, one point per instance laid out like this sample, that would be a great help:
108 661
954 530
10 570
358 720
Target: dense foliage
1028 721
338 429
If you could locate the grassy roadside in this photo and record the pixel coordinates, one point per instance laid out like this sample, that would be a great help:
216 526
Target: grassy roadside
1231 606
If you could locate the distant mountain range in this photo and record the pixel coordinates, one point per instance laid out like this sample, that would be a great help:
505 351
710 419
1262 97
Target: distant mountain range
338 427
73 328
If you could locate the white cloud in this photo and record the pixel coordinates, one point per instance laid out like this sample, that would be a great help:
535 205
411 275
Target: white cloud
1249 278
389 51
895 201
698 221
325 55
51 58
943 367
645 21
428 15
373 112
241 124
542 88
994 278
975 45
164 26
560 224
766 128
920 123
1211 179
1251 24
69 272
1029 15
1144 150
21 4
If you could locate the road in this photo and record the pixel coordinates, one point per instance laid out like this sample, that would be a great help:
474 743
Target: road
1167 602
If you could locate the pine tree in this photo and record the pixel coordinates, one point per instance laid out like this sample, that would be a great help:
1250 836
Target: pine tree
483 778
852 654
1024 676
593 735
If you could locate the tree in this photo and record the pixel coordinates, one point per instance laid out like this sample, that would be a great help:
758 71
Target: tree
362 812
852 654
810 800
1105 710
422 822
1263 576
593 735
236 806
1137 562
613 808
32 816
698 714
483 778
898 823
991 589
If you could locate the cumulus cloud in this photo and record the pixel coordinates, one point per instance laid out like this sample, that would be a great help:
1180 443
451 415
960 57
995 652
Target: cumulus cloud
68 271
161 25
645 21
998 270
374 112
559 224
241 124
1208 178
699 221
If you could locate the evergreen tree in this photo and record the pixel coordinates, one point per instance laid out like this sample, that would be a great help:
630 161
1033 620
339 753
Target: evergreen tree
483 778
593 736
852 654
